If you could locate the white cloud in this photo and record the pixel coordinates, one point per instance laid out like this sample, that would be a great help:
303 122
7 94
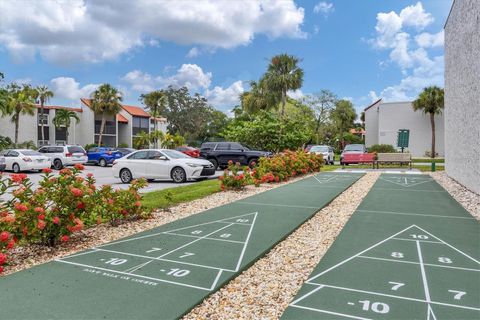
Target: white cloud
295 94
324 8
68 88
90 31
415 16
373 96
429 40
140 81
194 52
230 96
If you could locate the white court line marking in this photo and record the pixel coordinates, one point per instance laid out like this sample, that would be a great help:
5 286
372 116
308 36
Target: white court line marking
305 296
411 190
424 275
163 232
320 187
79 254
406 183
445 243
330 312
398 297
413 262
361 252
324 180
417 240
216 280
246 242
430 312
416 214
190 236
274 205
135 268
133 275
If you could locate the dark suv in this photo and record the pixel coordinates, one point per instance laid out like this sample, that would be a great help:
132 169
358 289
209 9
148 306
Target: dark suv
219 153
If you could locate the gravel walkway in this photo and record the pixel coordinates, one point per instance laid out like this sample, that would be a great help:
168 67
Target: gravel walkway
27 256
264 290
468 199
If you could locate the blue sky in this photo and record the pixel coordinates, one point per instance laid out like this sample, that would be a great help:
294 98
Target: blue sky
361 50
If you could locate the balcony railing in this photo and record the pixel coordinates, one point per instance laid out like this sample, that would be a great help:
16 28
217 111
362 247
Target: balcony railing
106 129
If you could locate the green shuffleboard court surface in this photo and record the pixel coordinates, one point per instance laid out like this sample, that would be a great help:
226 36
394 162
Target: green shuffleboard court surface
165 272
410 251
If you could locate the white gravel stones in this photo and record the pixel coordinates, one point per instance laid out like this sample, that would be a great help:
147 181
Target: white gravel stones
468 199
264 290
23 257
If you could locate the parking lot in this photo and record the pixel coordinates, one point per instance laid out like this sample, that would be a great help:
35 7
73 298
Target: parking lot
104 176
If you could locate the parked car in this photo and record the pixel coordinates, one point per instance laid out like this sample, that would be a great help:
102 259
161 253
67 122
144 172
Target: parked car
103 156
125 151
18 160
352 148
2 163
325 151
62 156
189 151
162 164
220 153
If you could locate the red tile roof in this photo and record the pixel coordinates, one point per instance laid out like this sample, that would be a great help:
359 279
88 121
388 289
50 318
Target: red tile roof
59 107
121 118
354 131
379 100
134 111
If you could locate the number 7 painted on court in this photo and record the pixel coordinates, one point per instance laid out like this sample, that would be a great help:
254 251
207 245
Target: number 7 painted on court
396 285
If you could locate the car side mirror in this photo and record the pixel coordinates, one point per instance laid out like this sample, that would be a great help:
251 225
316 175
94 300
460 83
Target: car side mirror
163 158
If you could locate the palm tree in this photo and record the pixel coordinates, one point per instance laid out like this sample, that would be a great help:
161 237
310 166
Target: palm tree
42 95
142 140
258 98
63 118
20 101
283 74
106 100
155 102
430 101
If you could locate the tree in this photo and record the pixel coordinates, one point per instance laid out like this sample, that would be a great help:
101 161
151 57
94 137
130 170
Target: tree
19 101
362 118
142 140
343 115
63 118
258 98
283 74
106 100
42 95
430 101
322 104
155 102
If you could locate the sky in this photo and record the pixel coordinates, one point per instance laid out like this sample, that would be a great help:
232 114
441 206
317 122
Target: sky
360 50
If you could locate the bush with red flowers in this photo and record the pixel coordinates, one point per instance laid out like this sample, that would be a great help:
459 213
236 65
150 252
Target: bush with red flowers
60 206
278 168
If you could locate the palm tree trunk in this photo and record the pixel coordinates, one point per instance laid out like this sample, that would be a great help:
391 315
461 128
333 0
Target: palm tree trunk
102 127
17 122
155 130
41 117
284 101
432 122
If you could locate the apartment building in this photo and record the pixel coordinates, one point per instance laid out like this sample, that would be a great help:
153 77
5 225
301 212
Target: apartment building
119 129
384 119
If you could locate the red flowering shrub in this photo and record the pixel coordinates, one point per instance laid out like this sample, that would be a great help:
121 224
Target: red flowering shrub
59 207
278 168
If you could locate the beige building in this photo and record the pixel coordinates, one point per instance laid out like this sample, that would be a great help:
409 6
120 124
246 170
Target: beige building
383 120
119 129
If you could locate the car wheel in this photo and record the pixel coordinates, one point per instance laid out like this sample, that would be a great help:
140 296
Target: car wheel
57 164
125 176
179 175
252 162
102 163
214 162
16 168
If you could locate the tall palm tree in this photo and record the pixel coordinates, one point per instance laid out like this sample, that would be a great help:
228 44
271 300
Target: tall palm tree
258 98
20 101
283 74
155 102
63 118
42 95
106 100
430 101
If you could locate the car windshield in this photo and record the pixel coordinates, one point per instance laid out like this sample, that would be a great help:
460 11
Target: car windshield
319 149
31 153
173 154
354 147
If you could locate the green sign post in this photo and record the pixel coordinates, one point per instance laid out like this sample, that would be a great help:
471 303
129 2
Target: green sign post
402 138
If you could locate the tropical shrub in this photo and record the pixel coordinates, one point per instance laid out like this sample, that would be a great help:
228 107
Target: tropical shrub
235 177
381 148
59 207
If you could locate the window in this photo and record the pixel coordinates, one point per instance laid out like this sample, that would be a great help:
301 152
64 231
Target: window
46 132
43 119
236 146
76 149
93 150
61 133
223 146
155 155
139 124
140 155
12 154
175 154
31 153
110 127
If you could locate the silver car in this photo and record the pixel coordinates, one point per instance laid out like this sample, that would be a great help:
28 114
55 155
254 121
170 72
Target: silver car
62 156
325 151
2 163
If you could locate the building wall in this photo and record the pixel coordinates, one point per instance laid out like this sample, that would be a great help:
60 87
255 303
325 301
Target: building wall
27 129
371 126
125 129
400 115
462 93
86 127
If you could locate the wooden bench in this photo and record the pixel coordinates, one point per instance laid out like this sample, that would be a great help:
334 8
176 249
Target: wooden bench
400 158
358 158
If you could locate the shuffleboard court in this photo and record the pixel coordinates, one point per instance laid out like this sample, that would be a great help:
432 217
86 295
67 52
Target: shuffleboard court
164 272
410 251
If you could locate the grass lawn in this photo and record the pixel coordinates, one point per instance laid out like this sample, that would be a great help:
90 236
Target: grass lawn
159 199
429 160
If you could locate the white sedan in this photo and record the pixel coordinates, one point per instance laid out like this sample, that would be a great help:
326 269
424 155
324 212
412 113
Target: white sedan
19 160
164 164
325 151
